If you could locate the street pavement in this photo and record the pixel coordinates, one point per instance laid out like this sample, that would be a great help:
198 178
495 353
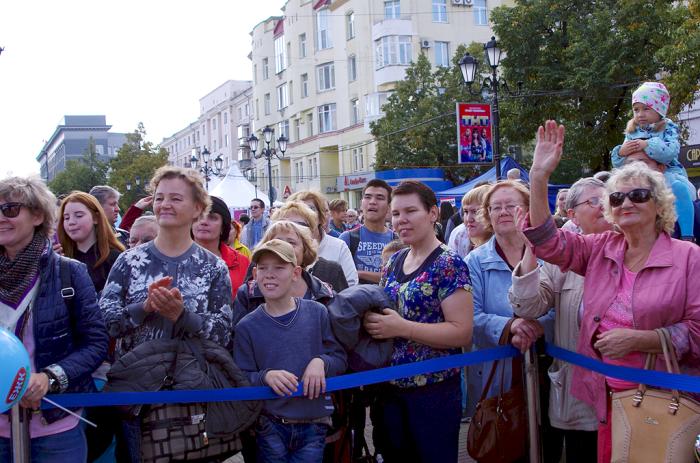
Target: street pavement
463 455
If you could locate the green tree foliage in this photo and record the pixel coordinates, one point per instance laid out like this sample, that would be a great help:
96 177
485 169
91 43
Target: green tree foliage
419 125
80 175
137 157
580 61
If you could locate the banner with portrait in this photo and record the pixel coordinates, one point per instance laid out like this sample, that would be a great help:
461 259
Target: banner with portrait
474 142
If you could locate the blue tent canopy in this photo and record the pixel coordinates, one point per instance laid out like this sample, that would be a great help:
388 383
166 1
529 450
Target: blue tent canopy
507 163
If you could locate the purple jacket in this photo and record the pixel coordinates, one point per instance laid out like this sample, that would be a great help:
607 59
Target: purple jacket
665 294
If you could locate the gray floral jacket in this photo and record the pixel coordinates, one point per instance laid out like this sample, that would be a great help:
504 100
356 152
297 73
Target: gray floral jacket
202 278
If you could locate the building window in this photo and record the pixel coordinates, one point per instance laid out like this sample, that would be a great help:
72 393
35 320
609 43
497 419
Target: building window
257 109
302 45
265 69
350 25
215 147
255 73
282 97
354 111
352 68
225 117
393 50
283 128
299 171
297 129
280 55
246 110
266 104
392 9
213 124
326 77
310 124
439 11
226 140
304 85
290 91
326 118
358 159
323 37
481 14
442 54
240 113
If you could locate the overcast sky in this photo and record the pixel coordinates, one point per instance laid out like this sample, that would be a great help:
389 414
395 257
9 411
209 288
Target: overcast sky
133 61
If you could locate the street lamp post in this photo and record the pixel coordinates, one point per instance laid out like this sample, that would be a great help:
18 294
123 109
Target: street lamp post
268 153
204 157
468 65
137 183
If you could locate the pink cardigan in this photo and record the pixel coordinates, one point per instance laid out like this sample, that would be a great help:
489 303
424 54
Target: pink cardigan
666 294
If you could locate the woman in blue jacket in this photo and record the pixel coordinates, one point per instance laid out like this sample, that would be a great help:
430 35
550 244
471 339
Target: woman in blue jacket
65 337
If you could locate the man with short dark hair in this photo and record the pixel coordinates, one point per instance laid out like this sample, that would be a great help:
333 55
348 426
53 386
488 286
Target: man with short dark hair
254 230
367 242
108 198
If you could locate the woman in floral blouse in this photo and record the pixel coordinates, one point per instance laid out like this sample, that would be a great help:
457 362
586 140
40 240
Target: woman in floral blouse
431 287
170 285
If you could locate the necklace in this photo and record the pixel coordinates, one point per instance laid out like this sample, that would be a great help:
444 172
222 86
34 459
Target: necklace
290 322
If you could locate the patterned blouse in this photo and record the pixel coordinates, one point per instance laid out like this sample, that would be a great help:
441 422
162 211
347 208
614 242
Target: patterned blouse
201 277
418 297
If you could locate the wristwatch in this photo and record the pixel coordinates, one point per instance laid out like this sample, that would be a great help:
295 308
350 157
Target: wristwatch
54 383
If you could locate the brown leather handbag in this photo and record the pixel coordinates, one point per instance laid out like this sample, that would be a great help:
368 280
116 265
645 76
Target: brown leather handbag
498 431
653 424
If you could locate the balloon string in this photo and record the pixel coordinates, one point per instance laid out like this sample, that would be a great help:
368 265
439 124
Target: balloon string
70 412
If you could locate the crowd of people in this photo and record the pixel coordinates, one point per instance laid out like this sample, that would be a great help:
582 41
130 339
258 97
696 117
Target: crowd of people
598 276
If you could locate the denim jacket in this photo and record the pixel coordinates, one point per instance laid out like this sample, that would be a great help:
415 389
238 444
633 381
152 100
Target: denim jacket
491 279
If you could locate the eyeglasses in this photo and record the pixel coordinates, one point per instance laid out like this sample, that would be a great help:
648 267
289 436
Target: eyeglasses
593 202
509 208
255 207
638 195
11 210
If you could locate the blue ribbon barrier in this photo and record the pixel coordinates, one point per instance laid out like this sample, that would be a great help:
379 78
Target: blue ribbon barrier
652 378
261 393
649 377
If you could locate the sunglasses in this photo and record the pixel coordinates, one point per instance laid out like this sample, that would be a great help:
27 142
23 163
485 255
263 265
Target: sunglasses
11 210
638 195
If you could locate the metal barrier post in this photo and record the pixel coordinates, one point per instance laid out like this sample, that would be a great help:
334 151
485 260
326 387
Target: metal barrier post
532 392
21 449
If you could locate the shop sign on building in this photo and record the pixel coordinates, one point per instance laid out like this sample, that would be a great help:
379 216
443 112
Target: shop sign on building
354 182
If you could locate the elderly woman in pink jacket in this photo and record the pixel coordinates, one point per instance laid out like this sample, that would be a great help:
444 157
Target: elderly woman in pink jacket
637 278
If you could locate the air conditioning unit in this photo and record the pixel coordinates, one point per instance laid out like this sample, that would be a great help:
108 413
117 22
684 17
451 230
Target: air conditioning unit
468 2
458 2
424 43
331 189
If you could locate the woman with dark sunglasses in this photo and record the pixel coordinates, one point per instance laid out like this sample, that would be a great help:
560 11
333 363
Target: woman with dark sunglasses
637 278
66 339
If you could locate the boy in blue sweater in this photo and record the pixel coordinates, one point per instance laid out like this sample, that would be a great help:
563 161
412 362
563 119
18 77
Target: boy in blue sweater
283 341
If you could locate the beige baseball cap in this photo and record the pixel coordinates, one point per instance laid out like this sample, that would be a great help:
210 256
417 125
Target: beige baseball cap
280 248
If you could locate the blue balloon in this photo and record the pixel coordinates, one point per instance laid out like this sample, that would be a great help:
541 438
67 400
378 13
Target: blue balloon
14 369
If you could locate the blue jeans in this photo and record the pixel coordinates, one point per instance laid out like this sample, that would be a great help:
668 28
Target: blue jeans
289 443
421 424
69 447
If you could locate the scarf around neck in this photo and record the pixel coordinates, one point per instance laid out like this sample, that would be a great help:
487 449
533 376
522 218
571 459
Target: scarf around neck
18 276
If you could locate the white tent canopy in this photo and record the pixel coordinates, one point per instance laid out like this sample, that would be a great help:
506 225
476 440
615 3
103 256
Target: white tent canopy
236 190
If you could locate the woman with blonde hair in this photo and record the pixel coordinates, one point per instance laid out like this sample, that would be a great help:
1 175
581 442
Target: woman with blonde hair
170 285
65 338
330 248
234 239
86 235
471 233
326 270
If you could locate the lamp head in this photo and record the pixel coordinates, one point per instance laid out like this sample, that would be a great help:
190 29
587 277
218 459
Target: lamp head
282 143
493 52
253 143
468 66
267 134
206 155
218 163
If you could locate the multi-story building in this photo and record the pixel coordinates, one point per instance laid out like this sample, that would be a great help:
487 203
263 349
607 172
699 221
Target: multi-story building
70 141
322 72
224 119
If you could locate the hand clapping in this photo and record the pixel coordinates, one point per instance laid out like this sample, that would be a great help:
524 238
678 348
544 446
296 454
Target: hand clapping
164 300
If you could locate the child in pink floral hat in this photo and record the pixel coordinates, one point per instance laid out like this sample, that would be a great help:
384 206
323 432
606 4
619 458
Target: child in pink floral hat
651 132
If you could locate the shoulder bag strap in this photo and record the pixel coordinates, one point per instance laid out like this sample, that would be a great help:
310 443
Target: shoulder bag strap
67 290
505 335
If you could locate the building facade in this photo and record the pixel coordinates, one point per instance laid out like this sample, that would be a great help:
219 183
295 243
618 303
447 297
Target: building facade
70 141
323 70
223 121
